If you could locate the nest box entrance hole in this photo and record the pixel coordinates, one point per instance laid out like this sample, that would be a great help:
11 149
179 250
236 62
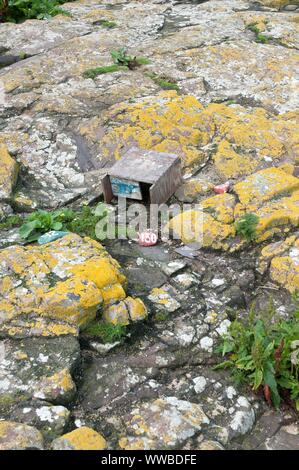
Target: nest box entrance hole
145 191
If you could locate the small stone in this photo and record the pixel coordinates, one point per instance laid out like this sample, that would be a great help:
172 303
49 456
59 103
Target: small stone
81 439
129 310
242 422
210 445
230 392
50 420
117 314
164 423
290 7
16 436
200 384
218 282
186 280
173 267
163 300
206 343
223 327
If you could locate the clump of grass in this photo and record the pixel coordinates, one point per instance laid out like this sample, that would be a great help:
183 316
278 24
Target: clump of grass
246 226
106 332
108 24
84 222
121 60
11 222
93 73
260 38
120 57
166 83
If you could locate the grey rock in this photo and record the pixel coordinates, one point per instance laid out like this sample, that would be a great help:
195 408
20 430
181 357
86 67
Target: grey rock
39 368
16 436
51 420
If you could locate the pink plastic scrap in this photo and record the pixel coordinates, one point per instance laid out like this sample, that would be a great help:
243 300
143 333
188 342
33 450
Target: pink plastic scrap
222 188
147 238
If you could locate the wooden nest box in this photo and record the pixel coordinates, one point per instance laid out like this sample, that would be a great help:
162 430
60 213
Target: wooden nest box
143 175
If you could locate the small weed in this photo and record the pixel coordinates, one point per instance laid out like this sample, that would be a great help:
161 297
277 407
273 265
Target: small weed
166 83
260 38
105 331
108 24
121 62
120 57
161 316
246 226
41 221
229 102
253 28
265 355
11 222
93 73
82 222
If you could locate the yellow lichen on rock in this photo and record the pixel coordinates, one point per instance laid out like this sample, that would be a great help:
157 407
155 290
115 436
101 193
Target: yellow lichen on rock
59 387
8 173
83 438
201 227
129 310
220 207
17 436
245 139
230 164
264 186
271 194
64 284
282 260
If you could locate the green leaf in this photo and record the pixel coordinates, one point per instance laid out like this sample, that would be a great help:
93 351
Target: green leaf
270 380
224 365
27 228
258 378
57 226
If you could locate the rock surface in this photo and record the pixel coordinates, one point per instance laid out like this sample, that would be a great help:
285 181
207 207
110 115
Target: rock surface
220 90
54 289
81 439
16 436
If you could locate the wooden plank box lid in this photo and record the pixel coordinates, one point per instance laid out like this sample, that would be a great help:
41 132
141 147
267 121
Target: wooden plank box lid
160 171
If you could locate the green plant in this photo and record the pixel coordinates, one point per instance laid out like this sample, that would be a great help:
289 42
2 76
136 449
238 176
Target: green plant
41 221
260 38
265 355
82 222
166 83
11 222
120 57
246 226
108 24
19 10
107 332
92 73
121 60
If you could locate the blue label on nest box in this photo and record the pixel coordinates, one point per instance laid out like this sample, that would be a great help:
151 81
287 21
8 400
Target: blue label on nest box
125 188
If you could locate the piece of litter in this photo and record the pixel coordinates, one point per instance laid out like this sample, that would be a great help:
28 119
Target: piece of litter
187 252
222 188
51 237
147 239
